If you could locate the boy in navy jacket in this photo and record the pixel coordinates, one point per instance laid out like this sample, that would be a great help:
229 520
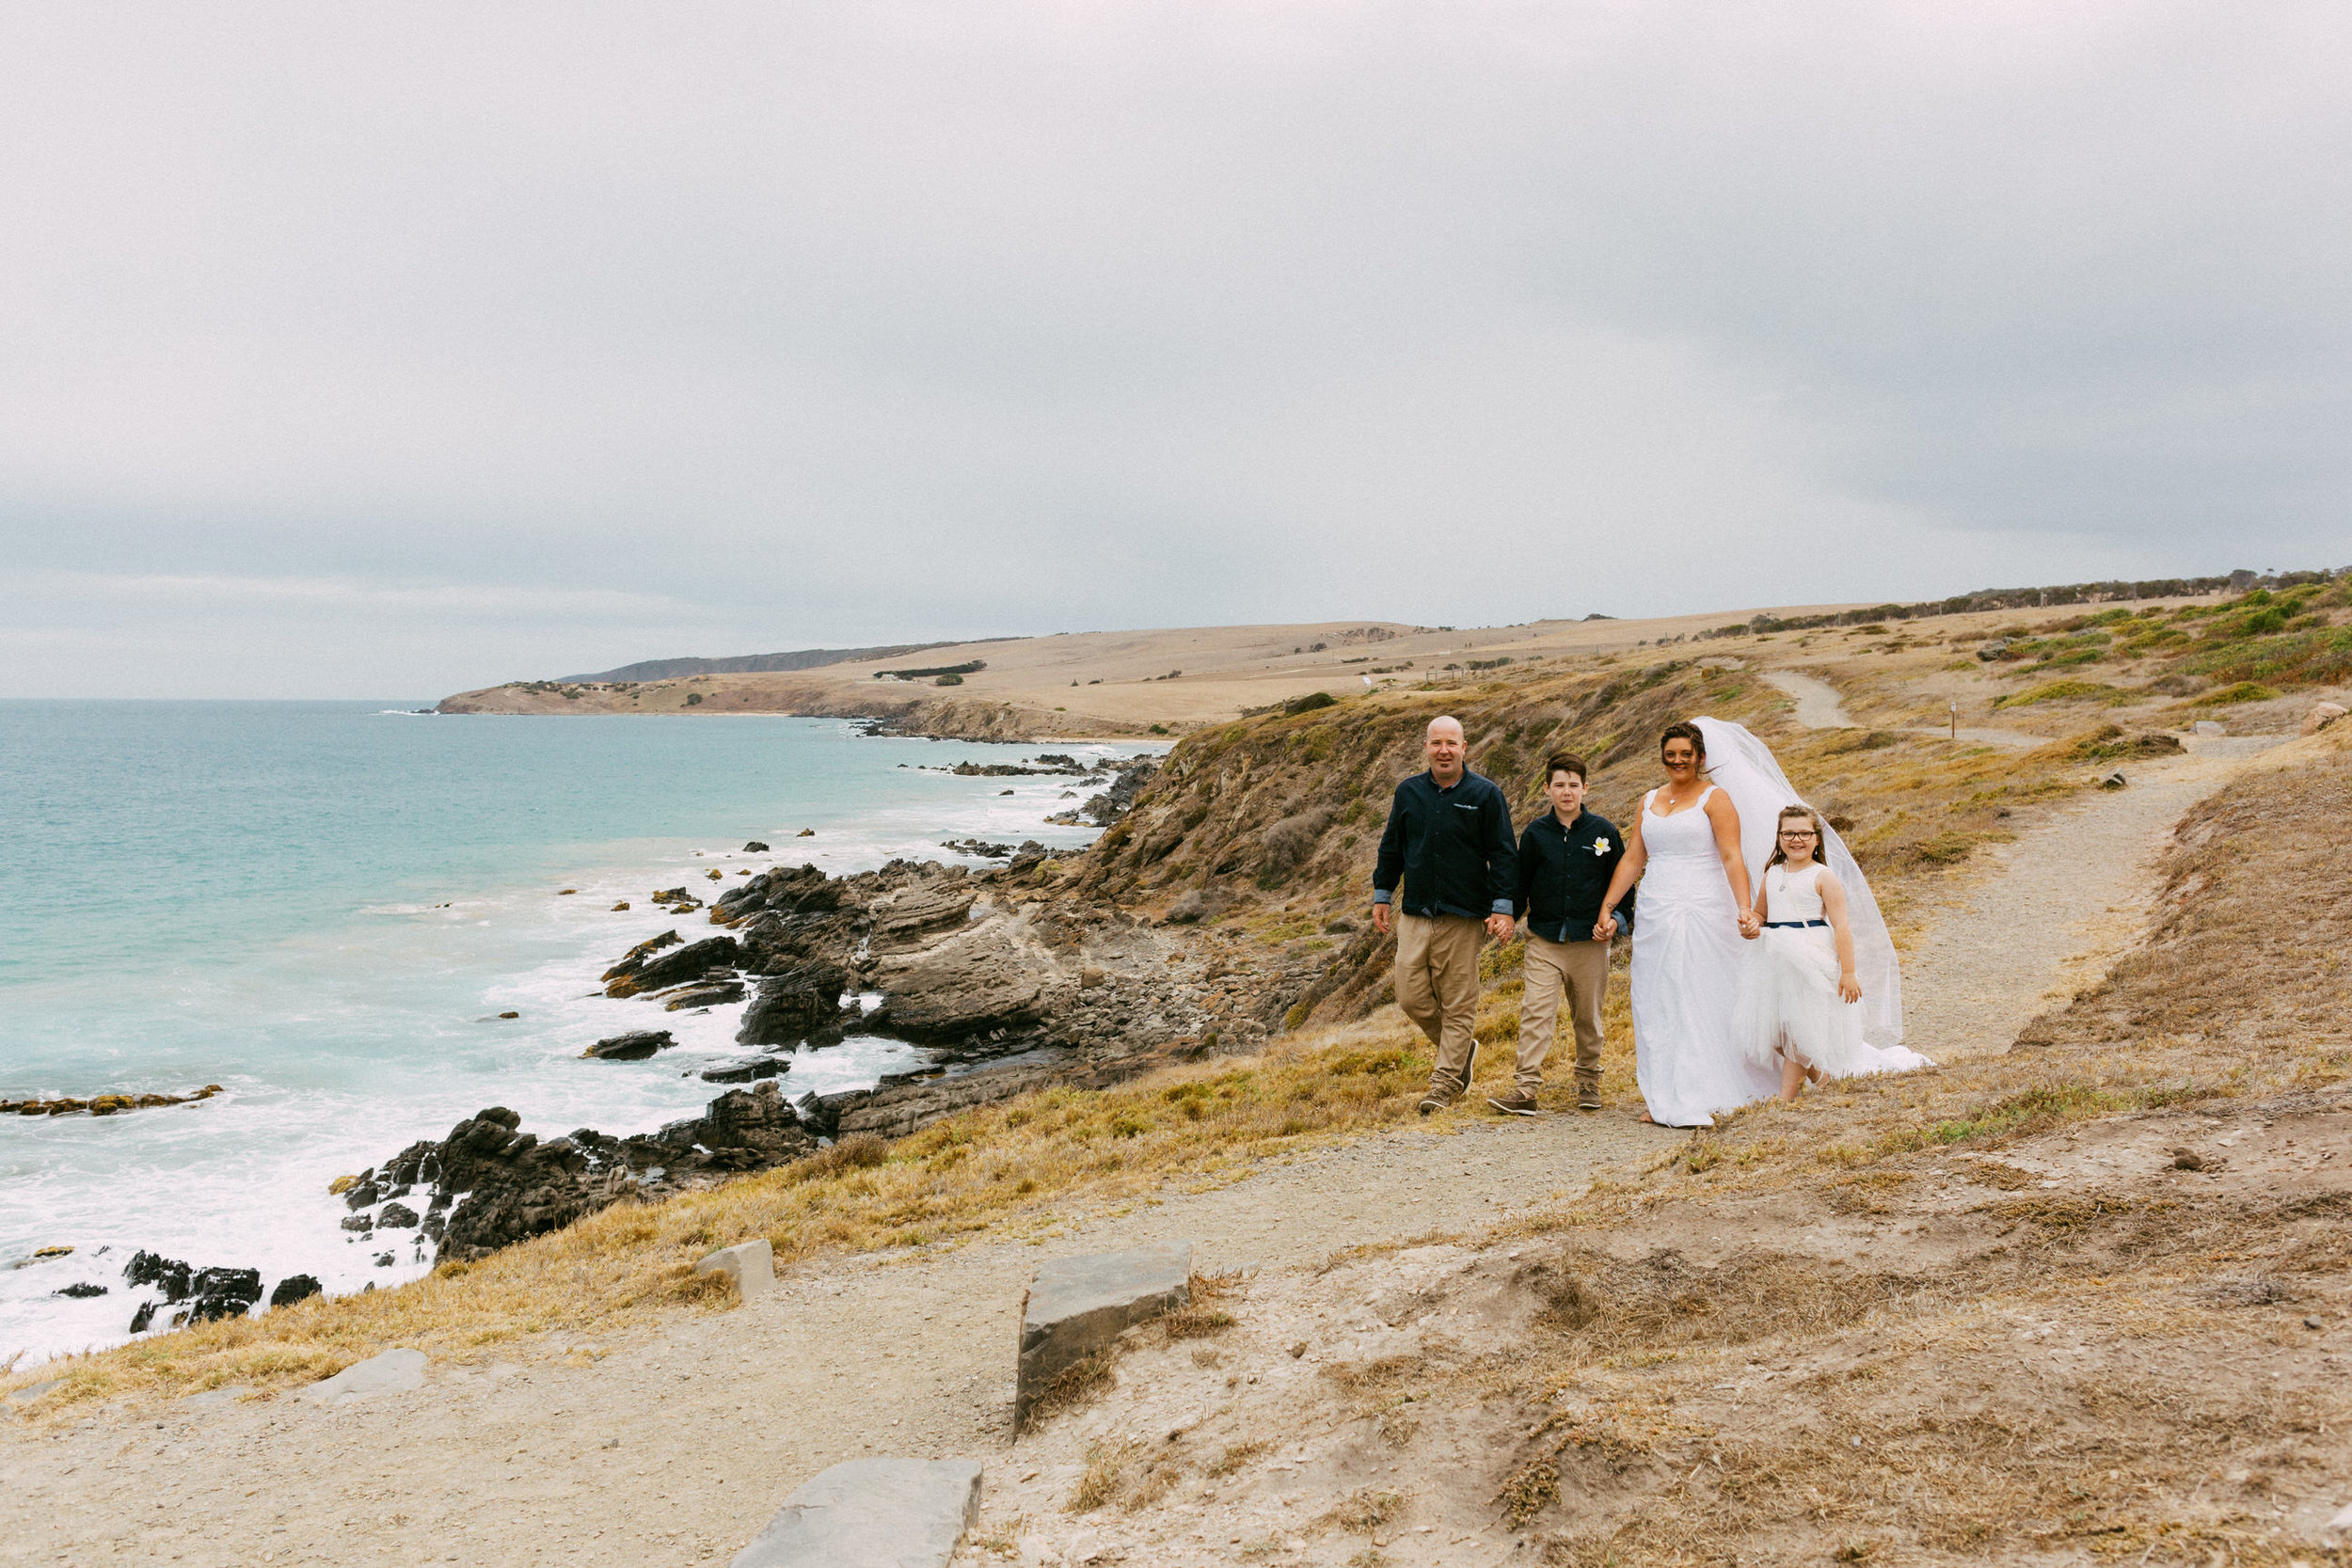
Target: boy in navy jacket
1565 859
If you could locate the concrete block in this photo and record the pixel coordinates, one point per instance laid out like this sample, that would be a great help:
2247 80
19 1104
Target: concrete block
751 1264
1078 1305
871 1513
395 1371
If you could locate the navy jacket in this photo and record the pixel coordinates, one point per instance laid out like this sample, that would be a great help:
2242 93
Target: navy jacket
1453 848
1563 875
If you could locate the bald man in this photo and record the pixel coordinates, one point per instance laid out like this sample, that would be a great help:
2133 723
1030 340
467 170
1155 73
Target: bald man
1449 842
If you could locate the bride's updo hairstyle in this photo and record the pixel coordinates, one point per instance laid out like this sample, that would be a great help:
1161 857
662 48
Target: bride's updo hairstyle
1821 836
1685 730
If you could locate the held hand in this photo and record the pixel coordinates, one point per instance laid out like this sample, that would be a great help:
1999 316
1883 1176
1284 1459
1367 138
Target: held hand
1499 926
1849 989
1605 928
1750 924
1380 918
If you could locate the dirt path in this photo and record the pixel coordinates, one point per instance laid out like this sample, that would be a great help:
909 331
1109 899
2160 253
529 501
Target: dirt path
678 1447
2049 911
1820 707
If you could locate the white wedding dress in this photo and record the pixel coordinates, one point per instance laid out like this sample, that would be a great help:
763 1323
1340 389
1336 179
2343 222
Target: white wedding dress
1687 956
1788 1004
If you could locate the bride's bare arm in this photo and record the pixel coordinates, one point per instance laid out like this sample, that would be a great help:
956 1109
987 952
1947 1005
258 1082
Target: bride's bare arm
1724 817
1833 910
1628 872
1763 911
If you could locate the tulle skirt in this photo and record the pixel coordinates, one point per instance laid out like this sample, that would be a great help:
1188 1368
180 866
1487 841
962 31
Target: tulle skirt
1788 1009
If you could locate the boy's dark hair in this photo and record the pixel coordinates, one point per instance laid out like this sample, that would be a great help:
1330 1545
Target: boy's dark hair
1564 762
1685 730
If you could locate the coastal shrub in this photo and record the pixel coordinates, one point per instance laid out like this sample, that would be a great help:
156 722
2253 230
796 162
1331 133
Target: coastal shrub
2066 692
693 699
2244 691
1308 704
1286 844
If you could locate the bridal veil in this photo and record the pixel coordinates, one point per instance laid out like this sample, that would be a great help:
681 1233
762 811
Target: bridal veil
1744 768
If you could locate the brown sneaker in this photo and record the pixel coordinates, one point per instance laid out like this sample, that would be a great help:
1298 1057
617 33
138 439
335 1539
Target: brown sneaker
1588 1100
1437 1099
1514 1103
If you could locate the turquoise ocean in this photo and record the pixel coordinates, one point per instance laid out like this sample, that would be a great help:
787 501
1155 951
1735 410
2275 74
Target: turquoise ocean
323 907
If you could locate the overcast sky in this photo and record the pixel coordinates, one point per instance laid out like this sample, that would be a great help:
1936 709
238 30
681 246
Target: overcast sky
396 349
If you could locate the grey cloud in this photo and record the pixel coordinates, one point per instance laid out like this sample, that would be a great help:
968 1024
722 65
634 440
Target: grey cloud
845 324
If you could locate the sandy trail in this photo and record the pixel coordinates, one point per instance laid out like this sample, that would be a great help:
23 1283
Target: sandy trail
718 1416
2047 913
1820 707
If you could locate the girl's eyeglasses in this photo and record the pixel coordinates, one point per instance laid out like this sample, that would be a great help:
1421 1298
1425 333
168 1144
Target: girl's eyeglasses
1799 832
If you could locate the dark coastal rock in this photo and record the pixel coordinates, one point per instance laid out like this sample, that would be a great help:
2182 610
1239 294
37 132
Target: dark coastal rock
81 1290
635 959
361 1194
802 1002
743 1129
904 918
786 890
225 1293
981 978
705 996
755 847
395 1217
144 1316
749 1072
174 1277
633 1047
691 963
359 1223
294 1288
385 1259
979 848
1115 803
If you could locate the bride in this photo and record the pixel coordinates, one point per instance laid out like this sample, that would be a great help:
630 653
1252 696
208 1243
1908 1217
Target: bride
1696 845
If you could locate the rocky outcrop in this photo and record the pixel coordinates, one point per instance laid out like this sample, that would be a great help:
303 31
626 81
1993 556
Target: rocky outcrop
696 961
1118 801
294 1288
214 1292
800 1003
102 1105
983 979
632 1047
749 1072
912 916
493 1184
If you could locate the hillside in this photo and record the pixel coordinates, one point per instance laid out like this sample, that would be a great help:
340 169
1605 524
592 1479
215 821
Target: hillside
1174 681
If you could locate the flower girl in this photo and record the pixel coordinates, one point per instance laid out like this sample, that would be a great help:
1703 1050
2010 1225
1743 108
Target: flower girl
1798 994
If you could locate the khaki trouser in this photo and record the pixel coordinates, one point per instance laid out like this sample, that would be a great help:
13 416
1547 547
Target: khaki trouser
1437 985
1580 970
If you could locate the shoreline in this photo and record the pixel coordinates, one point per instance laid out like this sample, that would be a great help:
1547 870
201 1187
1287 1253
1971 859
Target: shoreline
565 942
